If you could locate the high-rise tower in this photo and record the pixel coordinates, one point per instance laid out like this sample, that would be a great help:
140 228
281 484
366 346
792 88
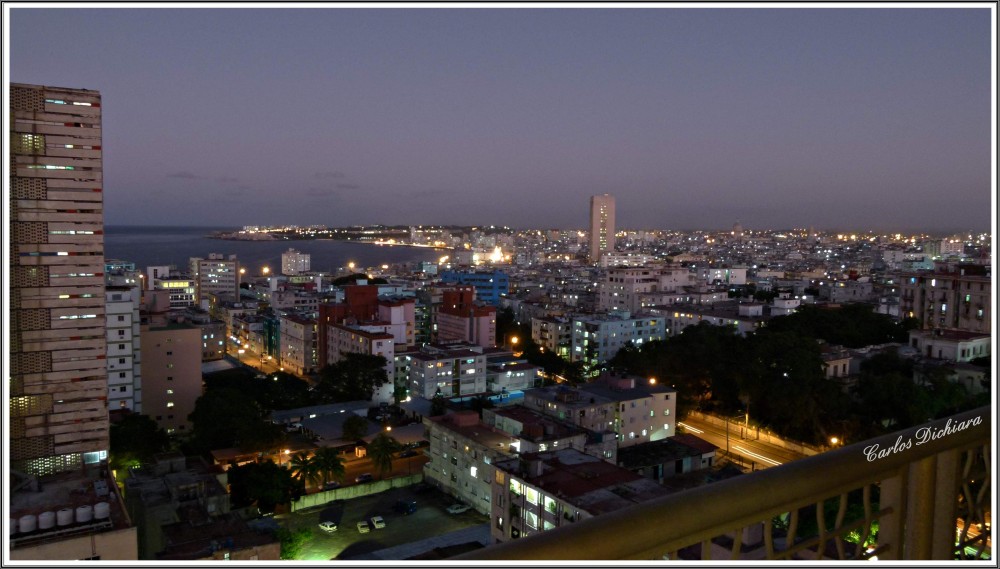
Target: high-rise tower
58 372
602 226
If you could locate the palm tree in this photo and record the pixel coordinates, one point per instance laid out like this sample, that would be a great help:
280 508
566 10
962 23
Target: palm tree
329 464
304 468
381 450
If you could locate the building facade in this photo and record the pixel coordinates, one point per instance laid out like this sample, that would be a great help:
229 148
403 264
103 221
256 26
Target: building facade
953 297
171 372
596 340
216 274
124 354
602 226
58 372
294 262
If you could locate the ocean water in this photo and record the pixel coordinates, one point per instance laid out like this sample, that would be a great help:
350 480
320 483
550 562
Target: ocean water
160 245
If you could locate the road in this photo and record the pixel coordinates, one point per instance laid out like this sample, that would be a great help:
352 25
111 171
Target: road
757 453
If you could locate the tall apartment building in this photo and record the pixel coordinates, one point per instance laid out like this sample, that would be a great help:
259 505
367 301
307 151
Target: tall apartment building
602 226
58 376
216 274
124 355
294 262
63 502
171 373
956 296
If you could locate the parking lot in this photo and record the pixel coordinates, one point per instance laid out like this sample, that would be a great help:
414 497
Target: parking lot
346 542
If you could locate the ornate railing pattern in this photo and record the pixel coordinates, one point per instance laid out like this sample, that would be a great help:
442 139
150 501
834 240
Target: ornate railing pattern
928 489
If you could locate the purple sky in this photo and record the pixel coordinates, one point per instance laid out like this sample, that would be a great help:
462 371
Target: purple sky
692 118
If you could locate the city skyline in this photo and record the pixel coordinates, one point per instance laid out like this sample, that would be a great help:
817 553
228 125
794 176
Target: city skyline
846 118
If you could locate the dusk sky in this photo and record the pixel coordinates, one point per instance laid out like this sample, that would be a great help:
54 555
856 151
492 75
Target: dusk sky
691 118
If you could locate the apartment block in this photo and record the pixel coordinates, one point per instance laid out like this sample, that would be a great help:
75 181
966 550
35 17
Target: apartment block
124 354
58 371
597 339
346 339
171 373
215 274
541 491
954 296
295 262
298 344
461 319
630 409
602 226
553 334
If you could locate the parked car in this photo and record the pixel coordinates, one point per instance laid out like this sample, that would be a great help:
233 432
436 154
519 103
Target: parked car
378 522
332 485
458 508
405 507
363 527
366 477
407 453
328 526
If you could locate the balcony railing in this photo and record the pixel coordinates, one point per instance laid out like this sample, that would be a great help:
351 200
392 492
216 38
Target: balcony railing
928 489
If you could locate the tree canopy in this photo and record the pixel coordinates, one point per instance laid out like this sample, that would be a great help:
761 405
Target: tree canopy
262 483
353 378
134 440
227 417
381 451
355 427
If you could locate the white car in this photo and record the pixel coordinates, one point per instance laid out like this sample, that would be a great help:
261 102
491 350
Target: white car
328 526
378 522
363 527
457 508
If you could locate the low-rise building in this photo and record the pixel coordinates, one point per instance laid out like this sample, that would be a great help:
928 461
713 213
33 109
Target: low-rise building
182 508
537 492
633 410
951 345
78 515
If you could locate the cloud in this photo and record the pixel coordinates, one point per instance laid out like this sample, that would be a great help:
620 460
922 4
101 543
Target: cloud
233 192
321 193
348 187
328 175
431 193
227 180
185 176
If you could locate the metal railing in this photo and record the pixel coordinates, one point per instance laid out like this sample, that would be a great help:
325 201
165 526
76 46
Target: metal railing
925 491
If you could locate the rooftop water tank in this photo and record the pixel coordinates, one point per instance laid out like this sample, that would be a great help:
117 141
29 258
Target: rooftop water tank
46 520
64 517
102 510
27 523
84 514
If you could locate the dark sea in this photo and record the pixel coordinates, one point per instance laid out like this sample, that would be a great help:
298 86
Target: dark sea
161 245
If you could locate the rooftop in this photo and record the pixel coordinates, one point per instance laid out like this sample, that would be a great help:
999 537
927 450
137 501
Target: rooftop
71 490
585 481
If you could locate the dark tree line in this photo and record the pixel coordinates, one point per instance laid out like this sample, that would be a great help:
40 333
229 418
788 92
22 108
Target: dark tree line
776 376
